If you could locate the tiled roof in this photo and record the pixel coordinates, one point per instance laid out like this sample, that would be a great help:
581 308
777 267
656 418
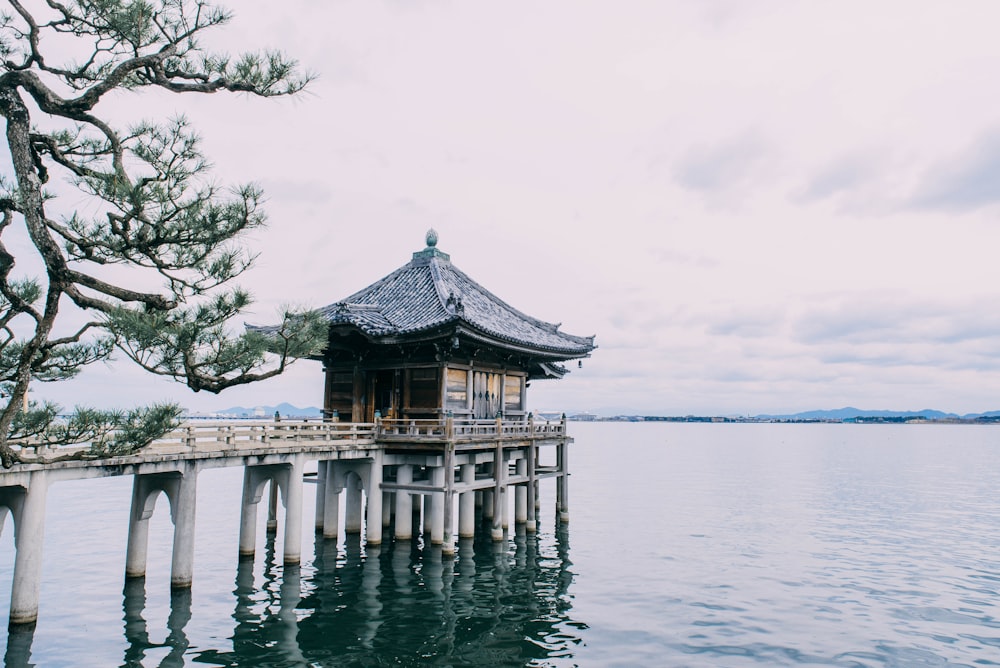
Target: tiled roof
430 292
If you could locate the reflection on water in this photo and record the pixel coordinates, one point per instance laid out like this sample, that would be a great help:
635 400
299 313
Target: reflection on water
504 603
137 633
497 604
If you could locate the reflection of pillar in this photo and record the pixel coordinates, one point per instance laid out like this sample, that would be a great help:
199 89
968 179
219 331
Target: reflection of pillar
136 631
352 518
320 495
19 639
521 494
373 521
369 604
467 504
404 507
331 503
29 527
290 593
436 500
293 510
180 615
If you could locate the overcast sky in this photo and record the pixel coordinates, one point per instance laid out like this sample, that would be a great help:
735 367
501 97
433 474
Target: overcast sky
757 207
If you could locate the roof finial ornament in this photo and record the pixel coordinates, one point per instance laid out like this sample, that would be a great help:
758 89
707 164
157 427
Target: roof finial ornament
432 238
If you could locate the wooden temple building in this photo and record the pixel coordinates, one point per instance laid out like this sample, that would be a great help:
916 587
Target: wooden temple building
425 407
428 341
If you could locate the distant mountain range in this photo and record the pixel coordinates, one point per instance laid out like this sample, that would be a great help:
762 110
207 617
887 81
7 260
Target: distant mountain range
851 413
285 409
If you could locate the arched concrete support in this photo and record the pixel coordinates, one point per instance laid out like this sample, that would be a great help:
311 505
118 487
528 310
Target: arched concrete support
467 504
404 506
331 502
254 480
145 491
27 508
283 478
180 489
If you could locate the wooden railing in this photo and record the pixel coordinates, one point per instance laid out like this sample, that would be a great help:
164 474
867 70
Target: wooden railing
234 435
469 428
197 436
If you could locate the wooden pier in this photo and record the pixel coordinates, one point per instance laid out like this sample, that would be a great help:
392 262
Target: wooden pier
388 472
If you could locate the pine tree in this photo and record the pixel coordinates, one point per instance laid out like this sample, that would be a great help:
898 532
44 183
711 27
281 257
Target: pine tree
159 214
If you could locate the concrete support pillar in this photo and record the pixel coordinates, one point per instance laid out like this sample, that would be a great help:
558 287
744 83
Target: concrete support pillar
531 490
293 510
505 507
143 501
388 509
373 521
29 529
467 504
331 504
499 475
487 495
182 492
352 513
436 504
404 506
564 478
272 510
416 503
253 489
320 495
521 494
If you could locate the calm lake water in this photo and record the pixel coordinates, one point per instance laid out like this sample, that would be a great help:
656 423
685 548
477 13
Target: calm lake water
689 545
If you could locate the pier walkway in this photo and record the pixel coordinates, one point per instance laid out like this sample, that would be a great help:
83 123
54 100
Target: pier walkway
403 475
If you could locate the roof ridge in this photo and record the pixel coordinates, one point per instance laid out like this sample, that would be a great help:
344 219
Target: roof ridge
443 299
542 324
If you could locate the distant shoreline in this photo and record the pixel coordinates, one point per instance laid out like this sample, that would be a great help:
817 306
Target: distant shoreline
987 420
